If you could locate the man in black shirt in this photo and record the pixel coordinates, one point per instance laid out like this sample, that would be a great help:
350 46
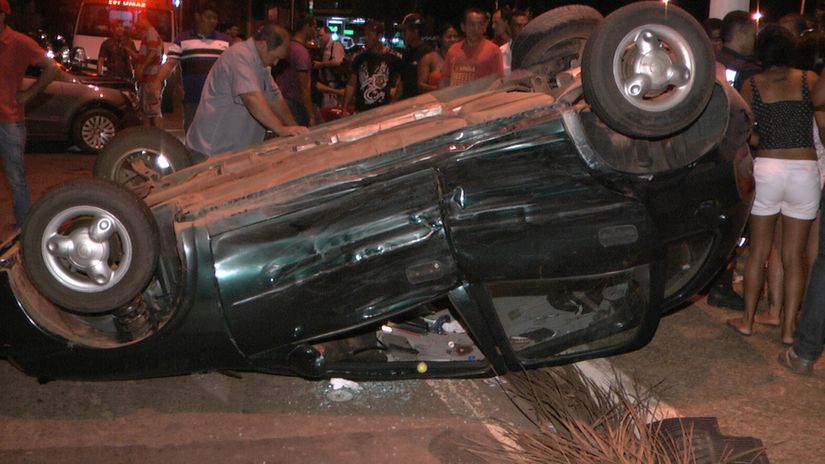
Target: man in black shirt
412 28
116 53
375 73
738 41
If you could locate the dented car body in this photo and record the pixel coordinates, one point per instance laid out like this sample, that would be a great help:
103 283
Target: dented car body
503 204
465 232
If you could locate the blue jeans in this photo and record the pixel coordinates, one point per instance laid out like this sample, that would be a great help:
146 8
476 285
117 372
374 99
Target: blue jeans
810 332
12 144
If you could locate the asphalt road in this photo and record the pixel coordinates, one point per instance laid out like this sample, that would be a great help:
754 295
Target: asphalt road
694 364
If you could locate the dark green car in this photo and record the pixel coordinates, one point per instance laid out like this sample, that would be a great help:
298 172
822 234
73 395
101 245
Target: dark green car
478 229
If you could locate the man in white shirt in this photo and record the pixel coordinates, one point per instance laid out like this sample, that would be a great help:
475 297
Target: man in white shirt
516 20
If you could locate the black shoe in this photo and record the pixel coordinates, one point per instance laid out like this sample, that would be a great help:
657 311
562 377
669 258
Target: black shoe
725 297
795 363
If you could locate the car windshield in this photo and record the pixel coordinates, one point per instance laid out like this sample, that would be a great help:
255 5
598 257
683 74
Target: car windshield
95 19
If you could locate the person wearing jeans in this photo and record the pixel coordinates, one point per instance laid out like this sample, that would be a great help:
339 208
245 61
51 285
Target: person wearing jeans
12 144
809 335
17 52
810 332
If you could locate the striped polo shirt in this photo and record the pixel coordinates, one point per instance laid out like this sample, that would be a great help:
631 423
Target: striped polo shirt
197 54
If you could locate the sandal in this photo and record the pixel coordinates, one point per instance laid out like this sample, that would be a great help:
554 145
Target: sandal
735 326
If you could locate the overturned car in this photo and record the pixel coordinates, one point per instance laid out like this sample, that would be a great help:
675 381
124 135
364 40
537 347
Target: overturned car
536 220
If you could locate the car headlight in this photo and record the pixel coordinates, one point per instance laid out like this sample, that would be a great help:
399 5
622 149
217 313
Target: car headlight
65 55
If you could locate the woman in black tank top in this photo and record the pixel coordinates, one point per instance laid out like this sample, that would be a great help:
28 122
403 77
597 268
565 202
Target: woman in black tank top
787 177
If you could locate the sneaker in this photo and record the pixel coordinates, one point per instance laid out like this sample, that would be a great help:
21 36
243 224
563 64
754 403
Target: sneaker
794 363
725 297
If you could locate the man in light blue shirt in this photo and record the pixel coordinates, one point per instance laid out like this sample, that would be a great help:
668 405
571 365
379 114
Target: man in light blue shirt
240 100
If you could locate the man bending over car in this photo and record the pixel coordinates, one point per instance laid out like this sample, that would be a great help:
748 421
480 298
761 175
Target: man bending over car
240 100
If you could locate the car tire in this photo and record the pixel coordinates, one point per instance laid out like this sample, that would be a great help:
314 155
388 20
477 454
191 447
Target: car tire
139 156
90 245
554 41
648 70
93 129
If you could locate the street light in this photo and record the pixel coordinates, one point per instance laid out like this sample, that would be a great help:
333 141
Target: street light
757 16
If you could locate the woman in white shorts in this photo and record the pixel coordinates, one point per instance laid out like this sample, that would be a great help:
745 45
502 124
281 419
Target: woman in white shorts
786 174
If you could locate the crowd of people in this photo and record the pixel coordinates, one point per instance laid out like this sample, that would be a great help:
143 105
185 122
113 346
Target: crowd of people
776 69
286 81
314 79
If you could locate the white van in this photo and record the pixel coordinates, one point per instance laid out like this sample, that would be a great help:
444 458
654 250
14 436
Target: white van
94 17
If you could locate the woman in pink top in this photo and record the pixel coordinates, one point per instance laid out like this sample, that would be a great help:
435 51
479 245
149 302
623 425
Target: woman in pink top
429 68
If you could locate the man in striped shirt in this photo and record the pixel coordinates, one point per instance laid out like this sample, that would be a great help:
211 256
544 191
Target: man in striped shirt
196 51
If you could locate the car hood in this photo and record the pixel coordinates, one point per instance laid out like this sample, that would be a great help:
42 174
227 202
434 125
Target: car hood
101 81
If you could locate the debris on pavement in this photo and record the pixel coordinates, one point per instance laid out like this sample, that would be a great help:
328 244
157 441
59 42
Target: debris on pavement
342 390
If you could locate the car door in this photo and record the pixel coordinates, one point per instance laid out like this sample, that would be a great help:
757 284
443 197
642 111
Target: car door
47 112
568 267
336 263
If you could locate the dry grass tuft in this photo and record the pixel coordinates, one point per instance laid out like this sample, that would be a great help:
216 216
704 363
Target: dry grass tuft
583 423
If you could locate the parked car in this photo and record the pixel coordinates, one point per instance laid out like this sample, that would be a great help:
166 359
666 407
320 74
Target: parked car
500 225
84 110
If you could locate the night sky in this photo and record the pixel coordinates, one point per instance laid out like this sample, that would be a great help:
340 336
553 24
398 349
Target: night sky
451 10
58 15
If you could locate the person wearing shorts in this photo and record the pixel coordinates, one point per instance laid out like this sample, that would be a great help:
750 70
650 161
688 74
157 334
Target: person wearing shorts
786 175
787 187
150 97
146 71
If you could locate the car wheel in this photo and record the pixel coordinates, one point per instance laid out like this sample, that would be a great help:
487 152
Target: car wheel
90 245
93 129
139 156
554 41
648 70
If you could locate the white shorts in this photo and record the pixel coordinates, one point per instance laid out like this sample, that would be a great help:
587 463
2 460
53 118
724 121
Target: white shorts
790 187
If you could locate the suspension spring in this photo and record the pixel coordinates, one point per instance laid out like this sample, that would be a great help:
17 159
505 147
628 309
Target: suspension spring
133 321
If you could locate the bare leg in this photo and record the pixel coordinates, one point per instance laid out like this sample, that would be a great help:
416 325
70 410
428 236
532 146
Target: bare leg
761 228
775 281
795 237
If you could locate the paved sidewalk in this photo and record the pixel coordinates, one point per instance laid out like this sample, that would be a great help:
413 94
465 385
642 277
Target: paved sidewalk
703 368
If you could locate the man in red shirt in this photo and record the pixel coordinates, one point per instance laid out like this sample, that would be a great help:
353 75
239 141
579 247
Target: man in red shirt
17 52
475 56
294 79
